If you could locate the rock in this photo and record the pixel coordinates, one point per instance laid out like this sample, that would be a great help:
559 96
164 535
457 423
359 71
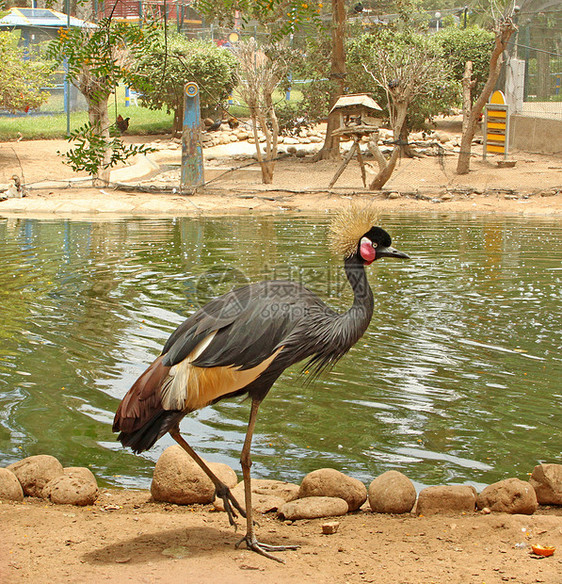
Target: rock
34 472
328 482
10 487
179 479
385 134
441 137
301 153
547 482
313 507
77 486
509 496
392 492
330 527
292 149
446 499
267 495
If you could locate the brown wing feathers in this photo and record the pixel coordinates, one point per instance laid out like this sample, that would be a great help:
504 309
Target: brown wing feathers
142 400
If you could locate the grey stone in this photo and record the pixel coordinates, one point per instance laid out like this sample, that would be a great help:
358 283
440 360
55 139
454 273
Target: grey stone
392 492
446 499
77 486
10 487
329 482
547 482
313 507
509 496
34 472
267 495
179 479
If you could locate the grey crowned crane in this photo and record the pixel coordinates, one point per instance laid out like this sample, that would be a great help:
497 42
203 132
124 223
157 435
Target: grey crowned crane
240 343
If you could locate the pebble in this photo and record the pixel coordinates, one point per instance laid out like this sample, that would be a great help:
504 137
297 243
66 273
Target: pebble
330 527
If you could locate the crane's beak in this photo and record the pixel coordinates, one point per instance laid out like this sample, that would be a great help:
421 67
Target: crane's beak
390 252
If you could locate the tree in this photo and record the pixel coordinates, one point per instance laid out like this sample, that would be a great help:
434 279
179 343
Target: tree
21 78
405 66
162 74
258 76
441 95
331 146
502 33
97 58
471 44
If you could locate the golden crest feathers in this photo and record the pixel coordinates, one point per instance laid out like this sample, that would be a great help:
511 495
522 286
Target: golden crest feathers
349 225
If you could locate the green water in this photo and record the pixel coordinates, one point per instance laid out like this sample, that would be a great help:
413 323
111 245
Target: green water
458 379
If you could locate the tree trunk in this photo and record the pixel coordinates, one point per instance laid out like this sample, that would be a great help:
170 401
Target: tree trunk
466 95
386 170
177 124
385 173
98 115
331 147
405 147
503 33
266 159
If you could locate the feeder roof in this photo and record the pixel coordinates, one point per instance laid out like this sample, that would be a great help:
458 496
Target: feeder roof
354 100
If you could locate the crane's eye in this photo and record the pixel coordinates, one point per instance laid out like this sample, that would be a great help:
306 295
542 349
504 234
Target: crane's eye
375 244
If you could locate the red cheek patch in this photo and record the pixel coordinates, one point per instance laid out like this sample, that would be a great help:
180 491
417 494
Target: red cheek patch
367 251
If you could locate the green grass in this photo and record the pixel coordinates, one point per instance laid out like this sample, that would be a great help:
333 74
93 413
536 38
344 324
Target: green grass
36 127
143 120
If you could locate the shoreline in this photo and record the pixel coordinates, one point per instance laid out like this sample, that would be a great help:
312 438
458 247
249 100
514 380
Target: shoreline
105 203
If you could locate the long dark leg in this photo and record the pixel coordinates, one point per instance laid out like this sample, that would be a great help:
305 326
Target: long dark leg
221 490
250 538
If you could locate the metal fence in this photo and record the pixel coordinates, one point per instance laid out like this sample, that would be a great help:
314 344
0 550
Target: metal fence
538 44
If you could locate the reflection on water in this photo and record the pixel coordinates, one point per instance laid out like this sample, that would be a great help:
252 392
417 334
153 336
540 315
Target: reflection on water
457 379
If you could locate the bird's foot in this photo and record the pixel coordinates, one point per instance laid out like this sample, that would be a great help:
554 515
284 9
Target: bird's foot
230 503
264 549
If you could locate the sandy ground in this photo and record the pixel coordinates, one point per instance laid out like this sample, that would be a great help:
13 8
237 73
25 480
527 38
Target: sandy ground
533 186
126 538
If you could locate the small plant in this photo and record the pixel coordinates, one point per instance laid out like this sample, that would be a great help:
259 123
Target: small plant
290 118
97 59
94 152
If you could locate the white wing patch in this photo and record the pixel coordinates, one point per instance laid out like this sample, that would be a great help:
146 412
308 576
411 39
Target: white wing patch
188 387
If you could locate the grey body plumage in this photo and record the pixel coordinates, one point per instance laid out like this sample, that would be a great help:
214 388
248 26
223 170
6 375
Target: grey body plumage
240 343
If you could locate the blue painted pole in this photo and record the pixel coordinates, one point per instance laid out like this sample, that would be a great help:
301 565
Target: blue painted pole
191 148
127 97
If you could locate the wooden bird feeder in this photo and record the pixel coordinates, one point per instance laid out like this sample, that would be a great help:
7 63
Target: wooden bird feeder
359 115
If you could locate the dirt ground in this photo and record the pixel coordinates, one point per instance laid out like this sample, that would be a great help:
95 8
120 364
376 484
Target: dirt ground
532 187
125 537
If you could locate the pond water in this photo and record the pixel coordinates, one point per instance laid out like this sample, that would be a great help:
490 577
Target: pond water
458 379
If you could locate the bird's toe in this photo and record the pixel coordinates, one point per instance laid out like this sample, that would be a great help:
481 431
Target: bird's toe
265 549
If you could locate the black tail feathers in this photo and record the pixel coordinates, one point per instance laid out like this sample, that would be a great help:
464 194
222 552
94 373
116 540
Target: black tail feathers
146 436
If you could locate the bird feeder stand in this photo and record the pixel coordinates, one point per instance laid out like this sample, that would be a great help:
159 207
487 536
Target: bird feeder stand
359 116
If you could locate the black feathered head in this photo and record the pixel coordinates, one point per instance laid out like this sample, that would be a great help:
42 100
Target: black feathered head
353 232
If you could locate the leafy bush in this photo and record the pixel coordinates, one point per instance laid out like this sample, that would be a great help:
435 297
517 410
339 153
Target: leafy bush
471 44
162 74
21 79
